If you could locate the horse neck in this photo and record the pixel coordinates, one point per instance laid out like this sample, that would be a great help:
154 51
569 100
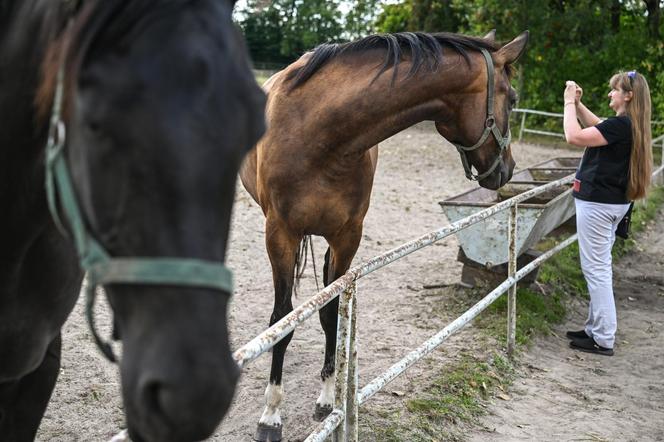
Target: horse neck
347 112
29 27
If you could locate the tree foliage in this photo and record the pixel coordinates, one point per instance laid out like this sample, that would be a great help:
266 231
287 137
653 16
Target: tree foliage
279 31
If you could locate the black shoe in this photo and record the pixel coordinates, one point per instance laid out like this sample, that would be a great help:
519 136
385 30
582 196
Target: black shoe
590 346
581 334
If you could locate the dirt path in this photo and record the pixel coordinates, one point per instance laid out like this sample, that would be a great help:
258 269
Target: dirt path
416 169
564 395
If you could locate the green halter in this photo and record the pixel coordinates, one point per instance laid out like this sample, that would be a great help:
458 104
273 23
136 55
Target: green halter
101 268
489 128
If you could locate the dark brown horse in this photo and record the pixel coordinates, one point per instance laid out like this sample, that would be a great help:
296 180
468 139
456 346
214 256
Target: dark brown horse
313 171
160 107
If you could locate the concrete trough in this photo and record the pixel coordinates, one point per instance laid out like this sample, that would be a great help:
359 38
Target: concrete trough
486 242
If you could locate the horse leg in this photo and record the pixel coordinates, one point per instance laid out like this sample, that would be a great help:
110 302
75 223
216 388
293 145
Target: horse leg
282 248
23 402
337 261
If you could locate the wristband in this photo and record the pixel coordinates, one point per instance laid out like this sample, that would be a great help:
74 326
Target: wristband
569 102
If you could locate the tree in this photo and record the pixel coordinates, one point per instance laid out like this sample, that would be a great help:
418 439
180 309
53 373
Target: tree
436 15
310 23
284 29
394 17
262 27
361 19
654 12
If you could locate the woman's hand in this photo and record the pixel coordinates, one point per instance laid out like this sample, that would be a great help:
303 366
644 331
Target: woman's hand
579 94
569 96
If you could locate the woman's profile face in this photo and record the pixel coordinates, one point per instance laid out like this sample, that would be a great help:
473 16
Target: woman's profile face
618 100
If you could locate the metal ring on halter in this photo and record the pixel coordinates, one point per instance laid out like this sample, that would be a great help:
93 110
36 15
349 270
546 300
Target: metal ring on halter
57 134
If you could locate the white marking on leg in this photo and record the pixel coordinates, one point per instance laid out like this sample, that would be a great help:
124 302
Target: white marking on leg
326 398
274 394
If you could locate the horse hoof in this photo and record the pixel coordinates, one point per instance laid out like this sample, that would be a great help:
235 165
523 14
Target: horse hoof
321 412
268 433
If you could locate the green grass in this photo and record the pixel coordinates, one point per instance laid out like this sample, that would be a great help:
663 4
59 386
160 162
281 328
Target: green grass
455 396
460 389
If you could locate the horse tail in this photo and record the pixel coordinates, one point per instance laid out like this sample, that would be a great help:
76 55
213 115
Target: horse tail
306 245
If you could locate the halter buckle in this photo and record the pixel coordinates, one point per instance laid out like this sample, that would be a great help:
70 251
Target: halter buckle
56 140
490 122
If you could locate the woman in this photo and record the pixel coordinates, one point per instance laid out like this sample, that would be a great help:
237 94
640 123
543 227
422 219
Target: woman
614 171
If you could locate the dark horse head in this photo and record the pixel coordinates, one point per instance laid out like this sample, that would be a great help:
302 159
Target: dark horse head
160 108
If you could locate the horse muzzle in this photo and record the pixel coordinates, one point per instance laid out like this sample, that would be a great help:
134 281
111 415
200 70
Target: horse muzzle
500 176
178 373
188 406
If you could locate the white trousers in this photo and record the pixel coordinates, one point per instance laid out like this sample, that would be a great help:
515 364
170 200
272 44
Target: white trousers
596 226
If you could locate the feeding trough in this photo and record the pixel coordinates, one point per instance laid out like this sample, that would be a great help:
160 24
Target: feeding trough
486 243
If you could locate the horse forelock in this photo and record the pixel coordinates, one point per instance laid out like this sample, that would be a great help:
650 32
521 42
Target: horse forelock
423 49
68 48
93 25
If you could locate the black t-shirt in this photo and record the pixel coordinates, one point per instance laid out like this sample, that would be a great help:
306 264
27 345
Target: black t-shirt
603 173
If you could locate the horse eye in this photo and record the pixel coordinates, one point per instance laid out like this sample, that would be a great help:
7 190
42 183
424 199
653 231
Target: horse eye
513 102
94 127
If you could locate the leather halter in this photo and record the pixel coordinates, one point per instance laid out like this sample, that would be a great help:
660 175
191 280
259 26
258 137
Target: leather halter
489 128
101 268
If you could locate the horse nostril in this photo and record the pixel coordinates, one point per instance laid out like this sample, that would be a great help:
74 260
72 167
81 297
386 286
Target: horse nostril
170 407
152 398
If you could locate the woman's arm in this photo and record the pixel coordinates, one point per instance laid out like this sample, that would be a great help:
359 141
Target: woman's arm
588 137
586 117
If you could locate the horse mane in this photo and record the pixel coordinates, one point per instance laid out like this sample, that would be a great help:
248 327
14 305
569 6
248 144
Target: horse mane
421 46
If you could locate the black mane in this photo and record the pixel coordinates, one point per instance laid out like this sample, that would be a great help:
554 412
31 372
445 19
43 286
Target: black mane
422 48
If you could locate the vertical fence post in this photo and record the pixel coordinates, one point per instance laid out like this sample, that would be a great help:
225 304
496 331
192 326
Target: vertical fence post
662 159
511 297
341 360
351 403
523 123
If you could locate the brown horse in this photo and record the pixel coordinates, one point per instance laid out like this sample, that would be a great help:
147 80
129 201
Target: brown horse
313 171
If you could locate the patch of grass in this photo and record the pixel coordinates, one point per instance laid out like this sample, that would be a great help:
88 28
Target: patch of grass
535 314
563 271
456 396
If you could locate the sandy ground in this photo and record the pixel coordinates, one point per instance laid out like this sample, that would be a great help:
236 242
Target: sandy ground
416 169
564 395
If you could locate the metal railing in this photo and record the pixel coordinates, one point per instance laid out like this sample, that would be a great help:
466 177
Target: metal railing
523 129
342 422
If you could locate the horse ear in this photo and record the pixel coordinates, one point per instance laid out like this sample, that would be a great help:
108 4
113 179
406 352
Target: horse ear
513 50
491 36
